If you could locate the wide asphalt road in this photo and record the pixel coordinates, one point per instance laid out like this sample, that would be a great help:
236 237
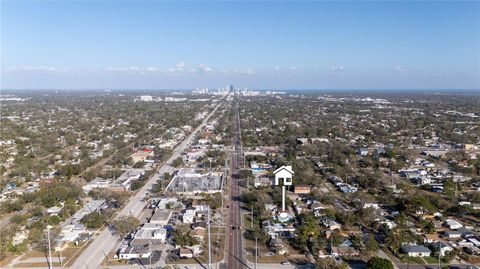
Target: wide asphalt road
235 250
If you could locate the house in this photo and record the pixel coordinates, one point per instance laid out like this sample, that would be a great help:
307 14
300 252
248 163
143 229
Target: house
452 224
302 189
390 223
431 238
472 250
371 205
442 246
464 243
331 225
435 153
317 206
277 246
149 233
185 253
362 151
452 234
422 180
161 216
466 233
54 210
276 229
262 182
344 251
416 251
468 146
19 237
412 175
198 233
284 174
188 216
346 188
302 141
134 252
97 182
474 241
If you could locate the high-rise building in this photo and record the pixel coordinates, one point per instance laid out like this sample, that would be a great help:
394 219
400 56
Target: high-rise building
230 88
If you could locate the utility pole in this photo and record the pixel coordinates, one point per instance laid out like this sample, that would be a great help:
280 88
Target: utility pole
50 266
252 219
439 254
256 251
209 243
106 256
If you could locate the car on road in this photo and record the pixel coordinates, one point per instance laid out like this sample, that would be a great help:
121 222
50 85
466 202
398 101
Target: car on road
285 263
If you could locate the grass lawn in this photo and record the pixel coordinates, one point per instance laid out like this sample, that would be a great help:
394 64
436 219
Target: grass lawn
293 254
412 260
69 254
431 259
6 260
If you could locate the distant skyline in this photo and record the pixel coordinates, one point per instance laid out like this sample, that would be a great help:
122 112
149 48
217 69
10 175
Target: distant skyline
261 45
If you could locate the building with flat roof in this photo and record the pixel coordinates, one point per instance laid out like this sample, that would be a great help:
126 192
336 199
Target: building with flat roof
191 181
161 216
134 252
148 235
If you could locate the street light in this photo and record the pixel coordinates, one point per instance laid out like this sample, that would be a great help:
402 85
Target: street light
50 266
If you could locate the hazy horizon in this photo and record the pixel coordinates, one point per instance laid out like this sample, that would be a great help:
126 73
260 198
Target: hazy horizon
267 45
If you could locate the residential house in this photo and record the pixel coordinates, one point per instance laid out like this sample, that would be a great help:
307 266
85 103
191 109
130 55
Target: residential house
185 253
149 233
331 225
452 224
416 251
362 151
134 252
452 234
344 251
161 216
302 189
431 238
188 216
262 182
444 247
473 250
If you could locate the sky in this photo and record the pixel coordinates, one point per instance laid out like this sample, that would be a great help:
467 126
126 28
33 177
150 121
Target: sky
255 44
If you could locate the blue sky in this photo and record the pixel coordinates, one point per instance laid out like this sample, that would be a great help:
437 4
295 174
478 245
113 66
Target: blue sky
275 45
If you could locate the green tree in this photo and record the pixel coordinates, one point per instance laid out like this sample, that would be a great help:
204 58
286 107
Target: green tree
182 237
449 188
139 164
93 220
371 244
379 263
126 225
177 162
